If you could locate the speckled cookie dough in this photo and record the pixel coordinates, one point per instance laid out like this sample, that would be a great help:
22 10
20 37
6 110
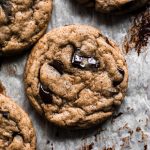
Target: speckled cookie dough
22 23
114 6
16 130
75 76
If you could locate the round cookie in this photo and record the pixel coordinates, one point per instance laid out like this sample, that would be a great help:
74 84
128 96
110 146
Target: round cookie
114 6
16 130
75 76
22 23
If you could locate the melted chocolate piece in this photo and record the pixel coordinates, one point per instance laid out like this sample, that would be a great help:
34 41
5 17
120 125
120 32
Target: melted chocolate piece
82 62
116 83
58 65
45 94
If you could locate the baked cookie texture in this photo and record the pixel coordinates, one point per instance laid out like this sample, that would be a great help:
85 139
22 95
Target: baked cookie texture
75 76
16 130
114 6
22 23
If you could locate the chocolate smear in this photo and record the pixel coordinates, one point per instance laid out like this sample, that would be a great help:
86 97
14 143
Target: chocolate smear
139 33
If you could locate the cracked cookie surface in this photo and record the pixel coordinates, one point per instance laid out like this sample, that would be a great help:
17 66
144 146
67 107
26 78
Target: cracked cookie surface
22 23
114 6
16 130
75 76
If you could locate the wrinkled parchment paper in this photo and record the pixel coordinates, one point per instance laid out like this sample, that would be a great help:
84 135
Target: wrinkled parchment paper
130 126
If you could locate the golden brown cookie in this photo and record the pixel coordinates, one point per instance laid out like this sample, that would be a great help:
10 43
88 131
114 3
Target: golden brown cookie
16 130
22 23
75 76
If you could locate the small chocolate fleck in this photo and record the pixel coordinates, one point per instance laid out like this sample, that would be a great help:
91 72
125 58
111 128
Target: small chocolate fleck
138 129
5 114
15 134
58 65
45 94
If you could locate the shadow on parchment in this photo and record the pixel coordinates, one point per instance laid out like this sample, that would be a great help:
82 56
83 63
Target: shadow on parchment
99 18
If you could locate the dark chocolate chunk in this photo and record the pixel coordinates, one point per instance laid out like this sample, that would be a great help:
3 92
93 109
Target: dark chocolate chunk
15 134
5 114
58 65
116 83
45 94
84 62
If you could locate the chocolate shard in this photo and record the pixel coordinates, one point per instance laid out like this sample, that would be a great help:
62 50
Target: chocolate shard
45 94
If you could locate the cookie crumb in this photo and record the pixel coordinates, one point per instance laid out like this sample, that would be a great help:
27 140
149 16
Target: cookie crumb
138 129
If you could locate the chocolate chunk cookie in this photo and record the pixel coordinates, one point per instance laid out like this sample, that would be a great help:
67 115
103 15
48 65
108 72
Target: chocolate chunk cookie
75 76
16 131
114 6
22 23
